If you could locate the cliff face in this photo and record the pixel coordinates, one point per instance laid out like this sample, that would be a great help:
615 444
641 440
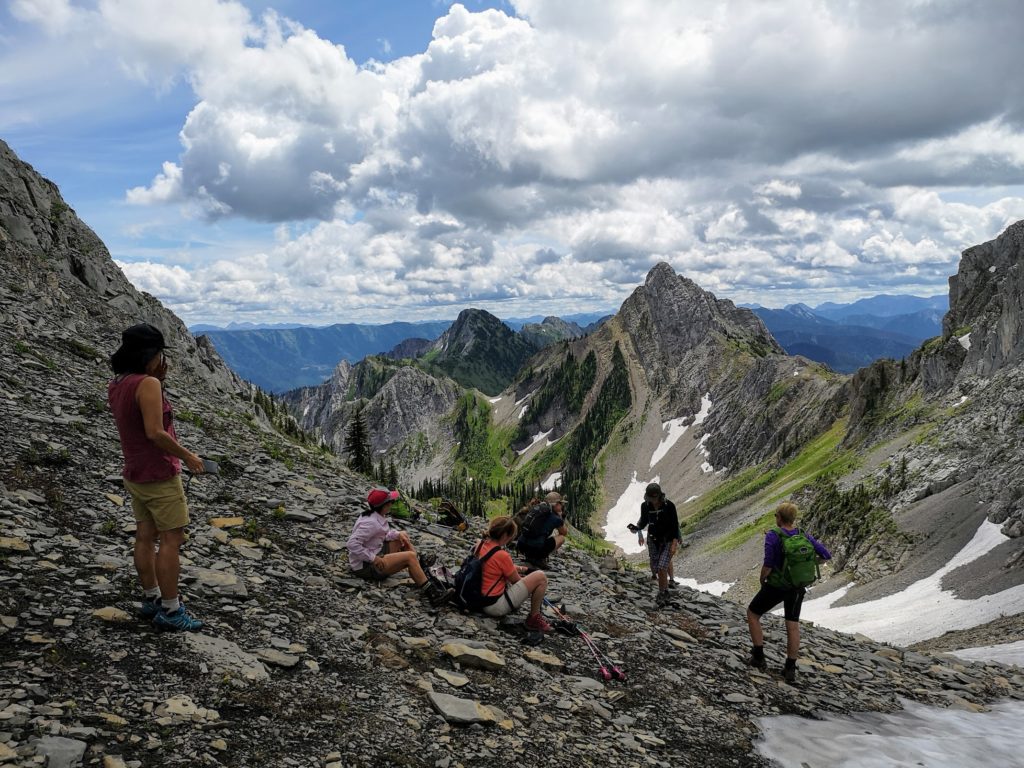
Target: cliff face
962 392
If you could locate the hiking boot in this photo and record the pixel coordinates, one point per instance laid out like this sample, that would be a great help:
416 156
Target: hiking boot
672 584
663 599
789 673
149 608
537 623
758 661
177 621
435 594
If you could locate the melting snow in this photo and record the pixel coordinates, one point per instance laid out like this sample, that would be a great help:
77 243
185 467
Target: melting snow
965 340
692 498
923 610
676 429
717 588
626 511
553 479
918 735
521 412
1007 653
524 398
706 468
494 400
536 439
963 399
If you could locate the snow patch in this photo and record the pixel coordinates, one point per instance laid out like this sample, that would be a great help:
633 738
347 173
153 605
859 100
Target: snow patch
525 397
963 399
626 511
796 372
1006 653
521 412
716 588
536 439
965 340
494 400
553 479
692 498
923 610
706 468
917 735
676 429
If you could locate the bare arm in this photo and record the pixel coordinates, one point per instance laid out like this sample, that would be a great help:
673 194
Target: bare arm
151 404
765 573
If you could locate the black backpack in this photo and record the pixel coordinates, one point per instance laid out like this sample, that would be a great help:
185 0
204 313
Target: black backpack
530 523
469 581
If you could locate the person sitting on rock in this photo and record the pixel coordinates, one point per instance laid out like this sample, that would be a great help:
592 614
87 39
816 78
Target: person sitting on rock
544 530
376 552
512 583
658 515
775 590
152 472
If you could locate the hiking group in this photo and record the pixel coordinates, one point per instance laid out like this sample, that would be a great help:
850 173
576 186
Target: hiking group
488 581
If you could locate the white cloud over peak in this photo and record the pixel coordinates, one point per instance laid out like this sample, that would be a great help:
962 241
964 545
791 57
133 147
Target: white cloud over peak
556 153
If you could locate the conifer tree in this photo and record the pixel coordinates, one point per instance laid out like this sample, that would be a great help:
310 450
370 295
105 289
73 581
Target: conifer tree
357 444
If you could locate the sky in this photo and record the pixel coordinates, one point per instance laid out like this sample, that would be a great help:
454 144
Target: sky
372 160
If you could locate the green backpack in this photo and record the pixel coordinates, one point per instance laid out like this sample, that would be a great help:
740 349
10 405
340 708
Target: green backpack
799 561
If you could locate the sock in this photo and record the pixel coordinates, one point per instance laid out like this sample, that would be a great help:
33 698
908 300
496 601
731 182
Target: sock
151 594
170 606
790 663
758 651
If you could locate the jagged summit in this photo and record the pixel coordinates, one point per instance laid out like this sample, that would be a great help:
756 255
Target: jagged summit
986 301
480 351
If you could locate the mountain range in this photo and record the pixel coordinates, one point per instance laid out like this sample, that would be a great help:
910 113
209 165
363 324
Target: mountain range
909 469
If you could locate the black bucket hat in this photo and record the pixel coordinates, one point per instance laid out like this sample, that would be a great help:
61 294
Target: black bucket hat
139 344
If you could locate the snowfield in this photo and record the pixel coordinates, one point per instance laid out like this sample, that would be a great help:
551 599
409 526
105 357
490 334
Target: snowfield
923 610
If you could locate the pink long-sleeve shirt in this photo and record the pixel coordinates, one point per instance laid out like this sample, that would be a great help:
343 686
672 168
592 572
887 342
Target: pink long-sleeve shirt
368 534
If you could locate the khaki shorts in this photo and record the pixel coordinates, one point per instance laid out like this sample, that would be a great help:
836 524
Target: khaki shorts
161 503
515 595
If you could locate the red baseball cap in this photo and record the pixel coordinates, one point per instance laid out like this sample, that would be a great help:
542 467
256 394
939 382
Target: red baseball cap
378 497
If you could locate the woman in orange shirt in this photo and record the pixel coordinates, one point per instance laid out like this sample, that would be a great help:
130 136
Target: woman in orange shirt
510 582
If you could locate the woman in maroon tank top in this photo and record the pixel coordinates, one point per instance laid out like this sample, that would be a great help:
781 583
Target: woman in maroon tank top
152 471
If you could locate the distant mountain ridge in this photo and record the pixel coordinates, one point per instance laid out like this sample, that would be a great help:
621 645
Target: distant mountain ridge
281 359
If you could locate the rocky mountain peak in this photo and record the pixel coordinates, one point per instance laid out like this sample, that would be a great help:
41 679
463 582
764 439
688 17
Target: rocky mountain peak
986 303
469 328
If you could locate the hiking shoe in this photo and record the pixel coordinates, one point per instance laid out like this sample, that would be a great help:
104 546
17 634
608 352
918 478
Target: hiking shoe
758 662
177 621
435 594
537 623
672 584
789 673
149 608
663 599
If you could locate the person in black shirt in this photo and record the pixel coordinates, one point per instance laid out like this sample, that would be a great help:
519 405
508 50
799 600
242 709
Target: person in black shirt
658 515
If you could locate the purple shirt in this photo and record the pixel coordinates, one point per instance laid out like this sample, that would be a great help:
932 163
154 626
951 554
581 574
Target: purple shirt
368 534
773 548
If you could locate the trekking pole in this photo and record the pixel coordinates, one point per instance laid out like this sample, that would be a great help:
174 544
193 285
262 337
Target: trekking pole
608 667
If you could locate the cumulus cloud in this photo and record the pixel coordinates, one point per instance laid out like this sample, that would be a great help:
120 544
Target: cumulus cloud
558 150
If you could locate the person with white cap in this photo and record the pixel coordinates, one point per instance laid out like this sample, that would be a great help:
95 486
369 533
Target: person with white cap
658 515
544 530
375 551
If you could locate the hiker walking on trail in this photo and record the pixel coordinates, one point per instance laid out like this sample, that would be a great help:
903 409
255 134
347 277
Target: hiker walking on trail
511 584
543 530
790 564
375 551
152 472
658 515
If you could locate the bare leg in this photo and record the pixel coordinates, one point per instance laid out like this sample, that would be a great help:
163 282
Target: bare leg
559 541
754 625
168 563
537 584
400 561
792 639
146 537
663 579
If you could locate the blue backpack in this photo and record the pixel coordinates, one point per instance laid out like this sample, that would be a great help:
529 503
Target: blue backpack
469 581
